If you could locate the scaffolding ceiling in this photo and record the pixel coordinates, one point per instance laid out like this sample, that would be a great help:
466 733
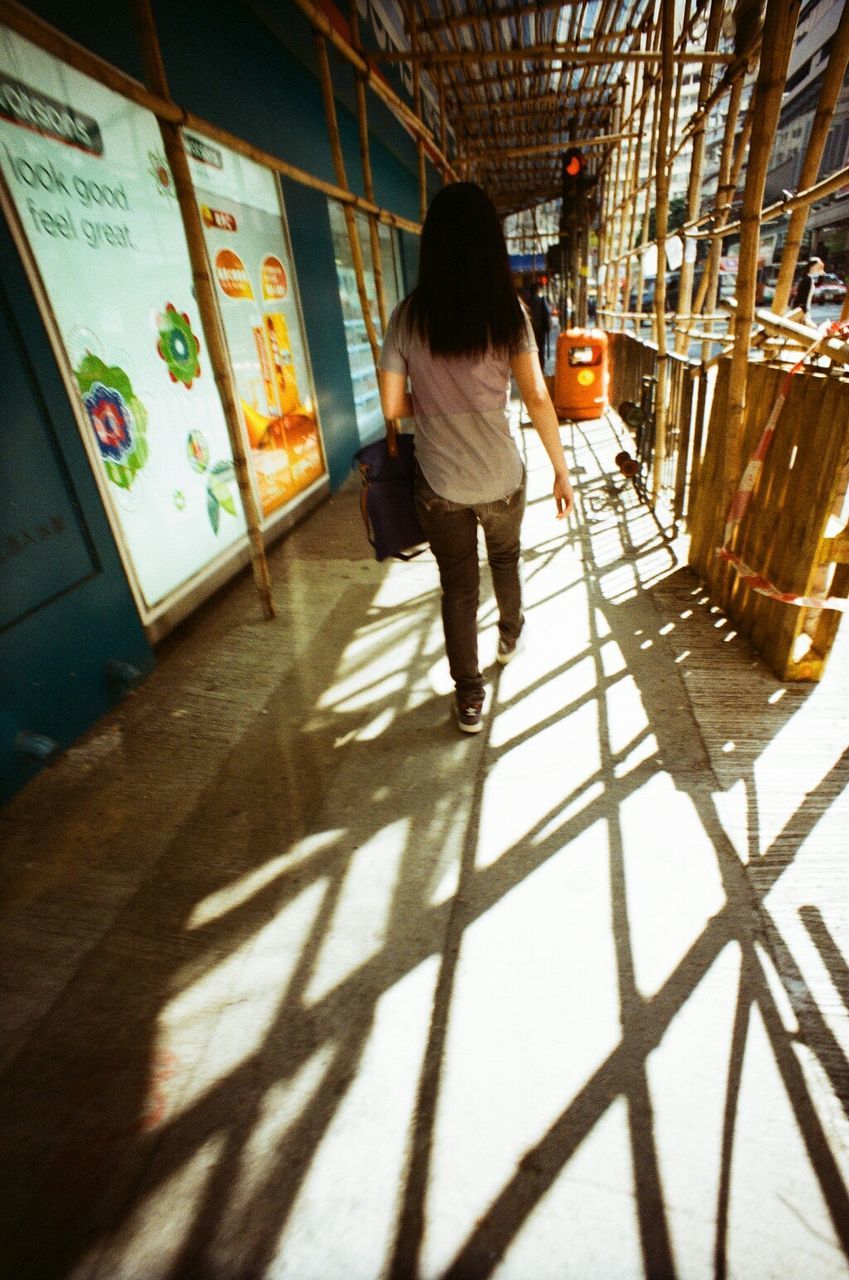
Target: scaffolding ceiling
520 83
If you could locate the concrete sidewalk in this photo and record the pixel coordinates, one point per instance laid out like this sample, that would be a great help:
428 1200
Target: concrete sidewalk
304 984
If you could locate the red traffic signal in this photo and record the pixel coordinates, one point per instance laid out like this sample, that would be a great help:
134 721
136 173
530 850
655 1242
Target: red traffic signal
573 164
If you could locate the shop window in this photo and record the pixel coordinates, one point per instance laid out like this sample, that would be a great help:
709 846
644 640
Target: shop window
361 364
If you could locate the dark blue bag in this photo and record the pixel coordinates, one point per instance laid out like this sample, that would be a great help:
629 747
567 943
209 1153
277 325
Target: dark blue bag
387 500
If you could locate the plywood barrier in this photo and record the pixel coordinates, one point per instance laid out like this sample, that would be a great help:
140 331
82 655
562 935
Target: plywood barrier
788 532
632 362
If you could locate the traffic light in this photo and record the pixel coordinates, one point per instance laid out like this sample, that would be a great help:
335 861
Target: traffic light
576 186
574 165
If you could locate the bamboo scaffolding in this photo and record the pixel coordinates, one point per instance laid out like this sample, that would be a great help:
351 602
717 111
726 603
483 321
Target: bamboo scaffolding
777 41
368 180
694 185
652 165
542 53
560 144
667 18
443 118
706 294
532 107
803 335
219 355
831 86
342 179
437 25
616 227
632 220
410 19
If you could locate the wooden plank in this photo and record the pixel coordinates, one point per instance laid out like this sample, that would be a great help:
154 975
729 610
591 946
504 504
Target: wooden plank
803 481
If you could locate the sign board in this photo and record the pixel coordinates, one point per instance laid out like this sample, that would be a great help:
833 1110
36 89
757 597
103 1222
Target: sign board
87 174
254 277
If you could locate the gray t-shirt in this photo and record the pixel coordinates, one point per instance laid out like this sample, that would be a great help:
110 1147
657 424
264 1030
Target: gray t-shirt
461 409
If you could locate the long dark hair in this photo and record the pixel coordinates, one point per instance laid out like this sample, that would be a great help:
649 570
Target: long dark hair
464 302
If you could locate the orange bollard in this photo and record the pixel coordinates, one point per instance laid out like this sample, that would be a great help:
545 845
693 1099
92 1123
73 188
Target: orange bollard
580 374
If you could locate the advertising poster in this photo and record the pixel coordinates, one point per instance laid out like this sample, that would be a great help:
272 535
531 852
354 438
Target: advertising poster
96 200
252 268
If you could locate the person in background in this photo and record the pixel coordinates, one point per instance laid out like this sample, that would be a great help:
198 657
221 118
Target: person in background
455 340
806 286
541 321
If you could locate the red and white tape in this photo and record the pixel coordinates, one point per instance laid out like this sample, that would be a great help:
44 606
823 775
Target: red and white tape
740 502
764 587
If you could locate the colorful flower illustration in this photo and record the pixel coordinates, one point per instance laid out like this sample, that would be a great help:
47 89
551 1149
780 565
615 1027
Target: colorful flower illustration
198 451
161 174
178 346
179 500
111 419
117 416
218 494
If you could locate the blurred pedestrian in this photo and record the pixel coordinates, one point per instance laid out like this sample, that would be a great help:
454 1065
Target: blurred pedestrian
806 286
541 322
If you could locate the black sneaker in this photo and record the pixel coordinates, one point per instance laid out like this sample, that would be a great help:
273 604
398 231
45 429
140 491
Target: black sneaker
468 709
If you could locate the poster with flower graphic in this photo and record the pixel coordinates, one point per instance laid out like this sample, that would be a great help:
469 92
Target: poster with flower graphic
245 229
95 198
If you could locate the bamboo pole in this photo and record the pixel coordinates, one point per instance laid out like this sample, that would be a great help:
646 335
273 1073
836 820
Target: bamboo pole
368 180
342 179
459 20
544 52
694 186
705 300
443 118
632 225
803 335
633 196
410 15
620 180
652 164
546 148
205 296
667 19
831 85
777 42
530 107
373 225
330 189
603 256
801 200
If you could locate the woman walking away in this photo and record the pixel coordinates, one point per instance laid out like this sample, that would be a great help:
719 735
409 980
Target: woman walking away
456 338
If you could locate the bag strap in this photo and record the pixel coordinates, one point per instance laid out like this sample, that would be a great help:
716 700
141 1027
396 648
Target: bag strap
364 503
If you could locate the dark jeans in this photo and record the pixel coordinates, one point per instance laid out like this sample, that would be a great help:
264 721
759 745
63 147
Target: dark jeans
452 531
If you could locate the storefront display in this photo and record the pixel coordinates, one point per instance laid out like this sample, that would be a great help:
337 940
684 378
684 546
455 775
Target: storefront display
248 247
86 172
363 376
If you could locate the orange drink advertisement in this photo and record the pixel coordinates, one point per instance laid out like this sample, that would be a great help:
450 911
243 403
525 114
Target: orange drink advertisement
246 236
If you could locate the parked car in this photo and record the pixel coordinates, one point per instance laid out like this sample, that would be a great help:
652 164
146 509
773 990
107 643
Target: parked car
726 289
829 288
